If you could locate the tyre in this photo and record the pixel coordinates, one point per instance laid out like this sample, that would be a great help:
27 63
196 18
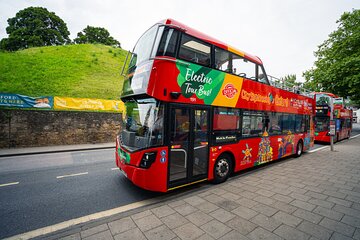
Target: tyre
299 149
222 168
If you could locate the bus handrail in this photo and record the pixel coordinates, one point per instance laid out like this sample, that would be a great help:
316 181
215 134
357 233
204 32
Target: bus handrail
280 83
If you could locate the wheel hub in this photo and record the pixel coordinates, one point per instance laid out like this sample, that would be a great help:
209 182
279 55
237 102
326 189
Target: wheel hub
222 168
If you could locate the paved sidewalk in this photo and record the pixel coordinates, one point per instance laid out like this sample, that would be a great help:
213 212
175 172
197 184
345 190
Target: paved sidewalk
316 196
53 149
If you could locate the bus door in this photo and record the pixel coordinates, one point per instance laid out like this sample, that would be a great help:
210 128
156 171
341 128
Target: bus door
189 150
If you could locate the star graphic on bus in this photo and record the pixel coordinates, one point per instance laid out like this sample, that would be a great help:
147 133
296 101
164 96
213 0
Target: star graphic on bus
247 155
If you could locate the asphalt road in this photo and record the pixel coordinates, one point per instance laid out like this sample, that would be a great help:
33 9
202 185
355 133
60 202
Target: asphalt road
46 189
47 195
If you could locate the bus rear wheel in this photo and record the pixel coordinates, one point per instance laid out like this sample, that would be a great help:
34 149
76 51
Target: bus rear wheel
222 169
299 149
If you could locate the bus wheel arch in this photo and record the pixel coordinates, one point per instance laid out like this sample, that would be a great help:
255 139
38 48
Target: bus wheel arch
224 166
299 148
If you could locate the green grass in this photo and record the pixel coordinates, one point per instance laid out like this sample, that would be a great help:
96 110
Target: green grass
84 71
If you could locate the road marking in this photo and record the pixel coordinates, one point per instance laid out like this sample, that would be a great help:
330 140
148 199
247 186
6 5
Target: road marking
72 175
318 149
91 217
8 184
114 168
59 152
355 136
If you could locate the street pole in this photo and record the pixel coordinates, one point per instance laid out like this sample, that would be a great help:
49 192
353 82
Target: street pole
331 122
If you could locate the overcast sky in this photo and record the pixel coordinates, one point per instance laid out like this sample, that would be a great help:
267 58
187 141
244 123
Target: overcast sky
283 33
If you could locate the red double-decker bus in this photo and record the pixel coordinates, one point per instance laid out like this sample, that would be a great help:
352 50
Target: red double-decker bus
341 116
197 109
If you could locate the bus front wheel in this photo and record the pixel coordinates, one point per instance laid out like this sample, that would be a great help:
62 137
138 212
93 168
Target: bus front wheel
222 169
299 149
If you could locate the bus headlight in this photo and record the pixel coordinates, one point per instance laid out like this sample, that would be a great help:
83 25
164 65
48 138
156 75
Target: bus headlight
147 159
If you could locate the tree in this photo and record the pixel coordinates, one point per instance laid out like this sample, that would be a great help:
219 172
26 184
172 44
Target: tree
96 35
290 80
337 68
35 27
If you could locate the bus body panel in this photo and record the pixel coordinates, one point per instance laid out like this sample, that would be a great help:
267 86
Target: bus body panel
322 136
252 152
153 178
248 94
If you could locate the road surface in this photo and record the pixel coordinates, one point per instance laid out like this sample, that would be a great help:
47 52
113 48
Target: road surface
44 189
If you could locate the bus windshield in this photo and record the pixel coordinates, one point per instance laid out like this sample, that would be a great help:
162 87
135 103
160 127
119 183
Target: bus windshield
142 124
142 49
322 99
322 123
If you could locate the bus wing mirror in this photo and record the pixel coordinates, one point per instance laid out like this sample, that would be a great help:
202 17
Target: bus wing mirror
122 71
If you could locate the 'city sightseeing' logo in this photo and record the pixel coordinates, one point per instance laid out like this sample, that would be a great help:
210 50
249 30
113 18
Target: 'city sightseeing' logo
229 90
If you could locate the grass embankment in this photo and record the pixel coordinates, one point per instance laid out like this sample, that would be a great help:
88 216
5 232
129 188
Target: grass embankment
84 71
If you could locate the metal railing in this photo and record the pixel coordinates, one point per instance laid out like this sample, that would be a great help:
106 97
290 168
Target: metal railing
280 83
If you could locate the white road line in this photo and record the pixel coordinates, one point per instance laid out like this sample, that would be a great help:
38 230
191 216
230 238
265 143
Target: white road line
72 175
318 149
8 184
58 153
91 217
114 168
355 136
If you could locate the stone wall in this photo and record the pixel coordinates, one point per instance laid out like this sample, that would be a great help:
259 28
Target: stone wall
28 128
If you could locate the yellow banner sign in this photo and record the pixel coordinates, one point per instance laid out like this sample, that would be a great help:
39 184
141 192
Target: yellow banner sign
65 103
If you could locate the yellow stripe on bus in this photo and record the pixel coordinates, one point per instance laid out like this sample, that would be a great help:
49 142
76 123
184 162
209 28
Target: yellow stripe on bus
234 50
187 184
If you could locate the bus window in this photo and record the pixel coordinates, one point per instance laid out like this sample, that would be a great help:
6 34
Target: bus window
243 68
275 123
307 123
322 123
322 99
142 49
142 124
343 123
194 50
348 123
288 123
226 118
167 45
253 124
299 123
222 60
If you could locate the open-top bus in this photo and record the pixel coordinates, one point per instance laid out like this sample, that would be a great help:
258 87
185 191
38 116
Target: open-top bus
198 109
341 116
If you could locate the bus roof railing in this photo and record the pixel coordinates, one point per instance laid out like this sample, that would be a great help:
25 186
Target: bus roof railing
280 83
